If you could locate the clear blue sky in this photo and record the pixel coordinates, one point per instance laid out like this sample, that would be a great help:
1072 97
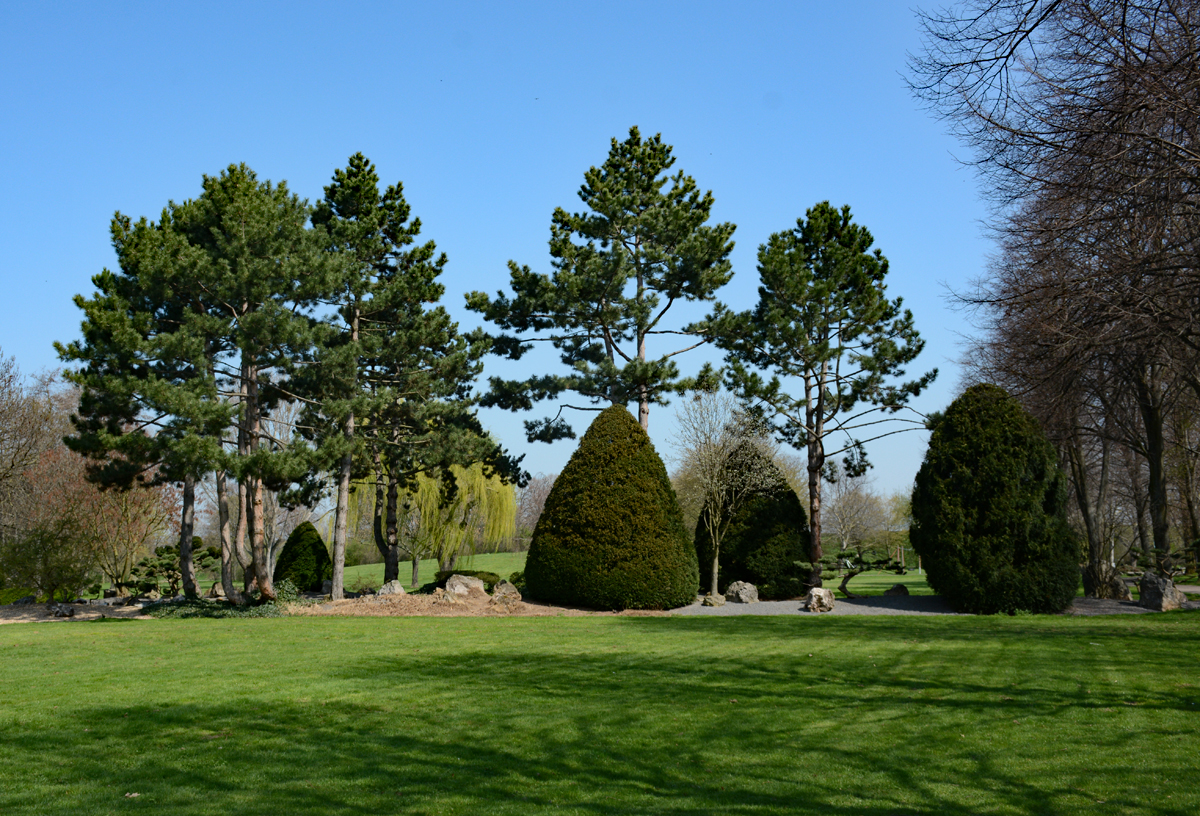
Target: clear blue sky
489 113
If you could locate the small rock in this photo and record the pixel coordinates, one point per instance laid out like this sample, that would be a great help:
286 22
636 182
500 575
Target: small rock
505 589
896 589
392 588
327 587
1158 592
741 592
713 600
819 599
465 585
217 591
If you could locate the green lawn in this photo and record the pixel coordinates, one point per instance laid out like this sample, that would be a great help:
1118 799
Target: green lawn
624 715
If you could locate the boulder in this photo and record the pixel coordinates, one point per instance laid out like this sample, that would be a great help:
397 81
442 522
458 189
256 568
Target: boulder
713 600
392 588
506 589
26 601
741 592
327 587
819 599
62 610
1158 592
896 589
217 591
465 586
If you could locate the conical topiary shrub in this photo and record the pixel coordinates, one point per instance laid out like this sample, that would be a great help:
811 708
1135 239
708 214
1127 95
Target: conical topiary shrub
766 537
989 510
611 535
304 560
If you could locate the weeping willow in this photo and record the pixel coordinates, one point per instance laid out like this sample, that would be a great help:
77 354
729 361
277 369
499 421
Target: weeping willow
452 524
436 522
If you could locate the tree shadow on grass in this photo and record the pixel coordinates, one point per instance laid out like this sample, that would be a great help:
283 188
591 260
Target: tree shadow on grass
193 759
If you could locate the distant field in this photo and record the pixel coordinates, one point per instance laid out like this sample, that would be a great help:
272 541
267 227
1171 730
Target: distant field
371 575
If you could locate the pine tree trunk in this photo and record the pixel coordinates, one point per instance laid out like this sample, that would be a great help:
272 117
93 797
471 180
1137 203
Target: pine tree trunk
187 566
343 493
254 490
339 527
227 552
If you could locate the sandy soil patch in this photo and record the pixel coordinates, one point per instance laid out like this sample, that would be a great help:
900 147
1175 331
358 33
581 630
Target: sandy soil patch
476 606
39 613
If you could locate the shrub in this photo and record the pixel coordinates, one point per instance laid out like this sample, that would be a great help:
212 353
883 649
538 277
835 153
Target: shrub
766 538
304 560
989 510
611 535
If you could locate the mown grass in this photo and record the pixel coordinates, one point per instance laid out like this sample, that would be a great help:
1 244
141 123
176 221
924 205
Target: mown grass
611 715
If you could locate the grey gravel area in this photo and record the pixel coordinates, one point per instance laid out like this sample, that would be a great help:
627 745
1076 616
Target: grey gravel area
899 605
878 605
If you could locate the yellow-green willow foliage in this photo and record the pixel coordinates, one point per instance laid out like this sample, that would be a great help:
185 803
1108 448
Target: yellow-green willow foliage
482 513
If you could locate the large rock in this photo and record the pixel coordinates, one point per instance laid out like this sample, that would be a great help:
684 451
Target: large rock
713 600
506 589
392 588
26 601
62 610
741 592
819 599
217 591
896 589
1158 592
327 587
464 586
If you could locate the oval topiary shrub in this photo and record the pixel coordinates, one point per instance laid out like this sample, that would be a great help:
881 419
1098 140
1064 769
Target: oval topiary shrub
304 560
989 510
766 537
611 535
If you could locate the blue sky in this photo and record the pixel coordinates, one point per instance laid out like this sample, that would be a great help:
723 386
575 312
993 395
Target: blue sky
489 113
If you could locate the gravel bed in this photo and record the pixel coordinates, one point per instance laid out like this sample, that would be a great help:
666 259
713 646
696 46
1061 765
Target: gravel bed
876 605
900 605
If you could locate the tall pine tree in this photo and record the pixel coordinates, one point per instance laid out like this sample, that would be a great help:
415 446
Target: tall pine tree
642 245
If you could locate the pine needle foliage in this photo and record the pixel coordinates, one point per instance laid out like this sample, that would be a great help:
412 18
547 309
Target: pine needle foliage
304 560
767 536
611 535
989 510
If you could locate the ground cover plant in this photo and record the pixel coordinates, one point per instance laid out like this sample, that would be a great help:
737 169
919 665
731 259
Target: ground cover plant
978 715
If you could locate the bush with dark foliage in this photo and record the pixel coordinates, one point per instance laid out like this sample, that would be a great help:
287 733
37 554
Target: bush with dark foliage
611 534
766 538
989 510
304 560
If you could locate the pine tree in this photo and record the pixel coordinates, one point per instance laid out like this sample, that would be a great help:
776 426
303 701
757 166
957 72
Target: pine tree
618 269
822 318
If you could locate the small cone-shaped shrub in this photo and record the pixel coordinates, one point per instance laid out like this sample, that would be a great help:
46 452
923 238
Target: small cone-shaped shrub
990 510
304 560
766 537
611 534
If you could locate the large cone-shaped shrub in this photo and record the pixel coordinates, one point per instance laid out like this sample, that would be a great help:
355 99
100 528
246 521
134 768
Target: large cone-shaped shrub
611 535
766 537
304 560
989 510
